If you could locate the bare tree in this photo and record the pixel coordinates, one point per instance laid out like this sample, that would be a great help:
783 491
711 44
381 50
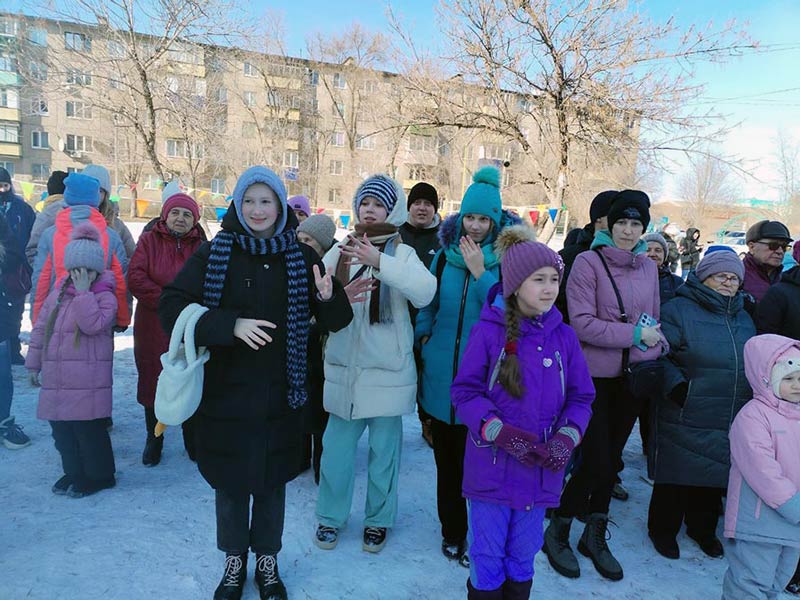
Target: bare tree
707 183
579 86
787 161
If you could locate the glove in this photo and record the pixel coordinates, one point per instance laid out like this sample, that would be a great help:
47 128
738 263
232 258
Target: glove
34 378
518 443
559 449
678 393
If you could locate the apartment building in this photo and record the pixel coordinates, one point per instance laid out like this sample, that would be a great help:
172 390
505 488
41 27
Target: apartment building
67 99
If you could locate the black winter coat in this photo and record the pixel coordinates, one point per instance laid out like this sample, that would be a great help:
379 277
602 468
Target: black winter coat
424 241
706 333
568 255
668 283
779 309
248 437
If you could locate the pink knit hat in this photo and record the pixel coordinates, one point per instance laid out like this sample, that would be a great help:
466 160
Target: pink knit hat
520 256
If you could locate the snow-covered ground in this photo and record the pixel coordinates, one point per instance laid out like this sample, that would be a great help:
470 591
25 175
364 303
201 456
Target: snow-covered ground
153 535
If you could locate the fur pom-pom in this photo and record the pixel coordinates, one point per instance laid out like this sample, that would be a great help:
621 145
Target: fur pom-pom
509 236
488 175
85 230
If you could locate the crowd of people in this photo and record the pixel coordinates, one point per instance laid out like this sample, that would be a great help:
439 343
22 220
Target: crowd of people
528 369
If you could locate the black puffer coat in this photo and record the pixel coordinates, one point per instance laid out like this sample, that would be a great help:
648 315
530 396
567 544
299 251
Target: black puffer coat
779 309
248 437
706 333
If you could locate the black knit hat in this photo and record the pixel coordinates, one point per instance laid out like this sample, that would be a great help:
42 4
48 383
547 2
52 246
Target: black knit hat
629 204
55 185
423 191
601 204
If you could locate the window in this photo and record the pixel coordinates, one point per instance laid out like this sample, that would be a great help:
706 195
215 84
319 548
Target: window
417 172
337 167
180 149
78 143
291 159
39 106
152 182
250 70
249 98
115 84
37 36
217 186
339 81
172 84
422 143
74 170
182 53
200 87
40 172
297 102
36 69
524 105
8 27
369 87
313 77
8 62
334 194
9 133
40 139
8 166
337 139
221 95
365 142
77 77
79 42
508 179
116 49
273 99
249 130
9 98
78 110
337 109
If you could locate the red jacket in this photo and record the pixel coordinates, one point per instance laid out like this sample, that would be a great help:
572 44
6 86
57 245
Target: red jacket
49 263
158 257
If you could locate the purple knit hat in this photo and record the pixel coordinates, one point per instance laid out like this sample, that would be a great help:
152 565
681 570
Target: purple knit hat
521 255
300 203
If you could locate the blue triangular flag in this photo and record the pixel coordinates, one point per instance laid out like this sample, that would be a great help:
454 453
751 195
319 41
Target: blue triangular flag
345 220
553 212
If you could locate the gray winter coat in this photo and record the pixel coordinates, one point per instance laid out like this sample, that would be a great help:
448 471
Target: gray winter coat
706 333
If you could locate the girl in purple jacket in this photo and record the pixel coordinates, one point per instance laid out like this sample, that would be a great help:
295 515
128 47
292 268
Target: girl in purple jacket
524 392
70 356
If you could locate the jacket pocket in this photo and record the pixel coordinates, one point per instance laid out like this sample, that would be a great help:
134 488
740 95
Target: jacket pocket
484 466
552 481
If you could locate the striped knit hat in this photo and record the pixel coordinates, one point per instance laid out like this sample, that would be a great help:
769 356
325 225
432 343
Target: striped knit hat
381 187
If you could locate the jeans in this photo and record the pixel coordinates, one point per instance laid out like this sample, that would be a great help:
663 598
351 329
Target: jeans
6 382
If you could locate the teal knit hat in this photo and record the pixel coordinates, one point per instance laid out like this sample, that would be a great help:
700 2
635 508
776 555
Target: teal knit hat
483 196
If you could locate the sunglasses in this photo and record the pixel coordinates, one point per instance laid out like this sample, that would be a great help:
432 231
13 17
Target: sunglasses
773 246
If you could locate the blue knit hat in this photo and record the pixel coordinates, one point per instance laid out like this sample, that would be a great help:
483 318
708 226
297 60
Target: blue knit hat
268 177
381 187
483 196
80 189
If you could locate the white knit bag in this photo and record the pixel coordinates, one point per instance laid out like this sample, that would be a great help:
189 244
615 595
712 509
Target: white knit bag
180 385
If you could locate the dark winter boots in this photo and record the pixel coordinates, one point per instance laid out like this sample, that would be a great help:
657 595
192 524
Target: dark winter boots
517 590
268 581
557 548
593 545
232 584
473 594
152 450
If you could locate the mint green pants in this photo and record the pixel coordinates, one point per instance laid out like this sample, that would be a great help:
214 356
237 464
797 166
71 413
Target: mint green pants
337 471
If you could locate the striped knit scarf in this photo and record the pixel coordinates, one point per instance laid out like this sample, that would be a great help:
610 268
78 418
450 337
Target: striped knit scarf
298 313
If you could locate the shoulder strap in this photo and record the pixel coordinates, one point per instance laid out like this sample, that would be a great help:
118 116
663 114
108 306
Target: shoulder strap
440 262
626 352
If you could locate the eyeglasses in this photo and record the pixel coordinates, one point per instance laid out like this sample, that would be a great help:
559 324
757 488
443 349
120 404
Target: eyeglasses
723 279
773 246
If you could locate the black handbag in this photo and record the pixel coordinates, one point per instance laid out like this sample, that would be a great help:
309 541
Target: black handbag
644 380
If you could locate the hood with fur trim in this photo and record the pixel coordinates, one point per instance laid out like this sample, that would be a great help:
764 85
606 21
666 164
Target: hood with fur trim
449 232
760 355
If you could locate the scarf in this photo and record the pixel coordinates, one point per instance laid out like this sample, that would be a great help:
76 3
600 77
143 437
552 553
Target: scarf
385 237
454 257
298 313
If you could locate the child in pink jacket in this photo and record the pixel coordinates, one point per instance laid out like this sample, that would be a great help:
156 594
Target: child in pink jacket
762 514
73 349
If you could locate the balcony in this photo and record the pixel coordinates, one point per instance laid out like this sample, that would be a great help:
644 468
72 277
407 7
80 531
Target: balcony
10 149
9 114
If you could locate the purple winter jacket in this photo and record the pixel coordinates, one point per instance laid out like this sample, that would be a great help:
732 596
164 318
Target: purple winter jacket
76 378
558 391
594 310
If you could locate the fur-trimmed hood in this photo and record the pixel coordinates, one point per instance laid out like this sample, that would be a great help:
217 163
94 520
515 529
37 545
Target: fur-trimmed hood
451 227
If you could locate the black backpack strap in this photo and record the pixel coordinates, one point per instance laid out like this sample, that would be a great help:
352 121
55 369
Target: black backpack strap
626 352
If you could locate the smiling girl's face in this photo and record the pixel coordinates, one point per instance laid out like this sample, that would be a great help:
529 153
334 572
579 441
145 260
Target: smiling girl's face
260 209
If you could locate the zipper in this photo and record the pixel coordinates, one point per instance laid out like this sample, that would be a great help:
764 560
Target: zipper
736 363
561 374
457 347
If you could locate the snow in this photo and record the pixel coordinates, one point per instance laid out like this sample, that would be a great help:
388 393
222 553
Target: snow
153 535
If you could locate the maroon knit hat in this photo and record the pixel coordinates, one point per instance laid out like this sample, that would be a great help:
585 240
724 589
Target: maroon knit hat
181 200
520 255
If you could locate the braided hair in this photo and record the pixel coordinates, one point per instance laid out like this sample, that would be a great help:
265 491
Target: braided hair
51 318
510 376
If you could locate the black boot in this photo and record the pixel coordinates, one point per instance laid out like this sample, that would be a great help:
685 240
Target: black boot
152 450
473 594
232 584
268 580
593 545
517 590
